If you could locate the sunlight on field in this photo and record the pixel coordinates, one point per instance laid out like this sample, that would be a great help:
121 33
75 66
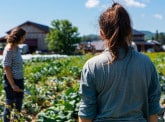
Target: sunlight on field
53 83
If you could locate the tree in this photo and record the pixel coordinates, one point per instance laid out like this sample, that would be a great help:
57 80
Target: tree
161 38
156 35
62 37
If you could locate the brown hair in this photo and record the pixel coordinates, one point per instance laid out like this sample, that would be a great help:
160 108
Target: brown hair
15 35
116 25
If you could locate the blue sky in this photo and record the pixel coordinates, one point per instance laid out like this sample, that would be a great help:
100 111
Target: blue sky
145 14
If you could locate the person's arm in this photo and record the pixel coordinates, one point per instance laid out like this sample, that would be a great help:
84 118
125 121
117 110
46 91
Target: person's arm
10 79
154 96
153 118
84 120
88 105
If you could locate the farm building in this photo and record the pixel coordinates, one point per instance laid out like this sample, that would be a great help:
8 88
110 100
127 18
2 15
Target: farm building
35 35
145 46
138 43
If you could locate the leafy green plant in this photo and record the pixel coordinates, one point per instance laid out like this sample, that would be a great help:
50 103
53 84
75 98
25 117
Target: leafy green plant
53 87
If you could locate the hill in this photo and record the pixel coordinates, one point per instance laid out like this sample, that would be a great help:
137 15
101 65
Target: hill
148 35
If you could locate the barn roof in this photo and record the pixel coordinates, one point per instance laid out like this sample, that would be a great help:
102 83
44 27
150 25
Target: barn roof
2 39
137 33
44 28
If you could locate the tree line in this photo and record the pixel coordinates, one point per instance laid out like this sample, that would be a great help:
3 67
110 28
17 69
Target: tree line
63 37
160 37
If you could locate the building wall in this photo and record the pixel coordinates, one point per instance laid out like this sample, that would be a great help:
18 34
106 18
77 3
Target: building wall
33 32
100 45
138 37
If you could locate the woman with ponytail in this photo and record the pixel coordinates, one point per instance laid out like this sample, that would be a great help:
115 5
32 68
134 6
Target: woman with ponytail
13 68
120 84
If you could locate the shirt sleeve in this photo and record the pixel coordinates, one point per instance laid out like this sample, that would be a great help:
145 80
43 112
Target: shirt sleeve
88 94
7 58
154 94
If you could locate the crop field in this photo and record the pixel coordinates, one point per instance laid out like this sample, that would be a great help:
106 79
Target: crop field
51 87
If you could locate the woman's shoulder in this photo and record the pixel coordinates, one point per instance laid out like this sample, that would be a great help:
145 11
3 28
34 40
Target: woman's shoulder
10 48
141 55
143 58
97 60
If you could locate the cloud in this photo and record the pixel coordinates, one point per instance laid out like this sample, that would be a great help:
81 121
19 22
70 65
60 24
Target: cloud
134 3
143 15
158 16
92 3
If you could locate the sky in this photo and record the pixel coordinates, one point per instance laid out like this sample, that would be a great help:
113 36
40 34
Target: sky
148 15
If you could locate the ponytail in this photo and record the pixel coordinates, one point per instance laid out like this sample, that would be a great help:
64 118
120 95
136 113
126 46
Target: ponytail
16 35
116 25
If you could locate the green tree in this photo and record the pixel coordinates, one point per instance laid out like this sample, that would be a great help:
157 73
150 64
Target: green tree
62 37
161 38
156 35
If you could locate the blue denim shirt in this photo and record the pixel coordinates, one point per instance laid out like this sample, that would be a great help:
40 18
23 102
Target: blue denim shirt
126 90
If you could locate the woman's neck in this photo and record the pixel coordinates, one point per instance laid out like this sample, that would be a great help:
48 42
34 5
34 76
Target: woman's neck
12 46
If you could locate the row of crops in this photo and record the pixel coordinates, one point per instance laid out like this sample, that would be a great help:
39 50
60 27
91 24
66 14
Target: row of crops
51 87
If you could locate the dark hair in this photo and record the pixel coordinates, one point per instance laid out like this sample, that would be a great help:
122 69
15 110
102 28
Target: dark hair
3 39
116 25
16 35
